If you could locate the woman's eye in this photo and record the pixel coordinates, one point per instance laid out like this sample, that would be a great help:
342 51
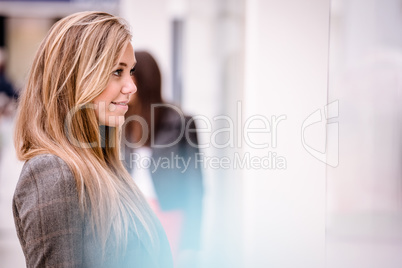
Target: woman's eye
132 71
118 72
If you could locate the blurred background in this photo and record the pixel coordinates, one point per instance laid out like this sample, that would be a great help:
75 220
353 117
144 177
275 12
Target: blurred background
302 98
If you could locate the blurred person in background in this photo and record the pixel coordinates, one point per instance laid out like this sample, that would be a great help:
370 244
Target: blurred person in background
75 205
8 95
159 133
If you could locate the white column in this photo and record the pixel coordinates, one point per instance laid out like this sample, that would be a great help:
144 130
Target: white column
286 75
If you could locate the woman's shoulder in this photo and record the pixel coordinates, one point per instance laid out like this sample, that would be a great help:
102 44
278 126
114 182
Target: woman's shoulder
46 173
44 158
48 165
47 215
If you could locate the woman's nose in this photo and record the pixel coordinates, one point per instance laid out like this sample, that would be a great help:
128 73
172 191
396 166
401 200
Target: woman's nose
129 86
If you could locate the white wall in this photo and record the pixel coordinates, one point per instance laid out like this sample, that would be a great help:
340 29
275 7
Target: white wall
286 74
365 220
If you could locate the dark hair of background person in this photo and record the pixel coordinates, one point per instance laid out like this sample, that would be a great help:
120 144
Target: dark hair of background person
149 83
177 189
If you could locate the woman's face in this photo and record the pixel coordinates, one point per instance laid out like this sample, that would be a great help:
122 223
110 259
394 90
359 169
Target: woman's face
111 104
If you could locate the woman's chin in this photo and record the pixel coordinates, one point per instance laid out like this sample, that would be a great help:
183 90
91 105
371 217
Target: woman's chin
114 121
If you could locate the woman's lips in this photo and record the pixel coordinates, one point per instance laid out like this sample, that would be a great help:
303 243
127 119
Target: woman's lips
121 105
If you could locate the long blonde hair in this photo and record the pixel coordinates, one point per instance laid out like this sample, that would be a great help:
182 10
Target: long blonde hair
72 67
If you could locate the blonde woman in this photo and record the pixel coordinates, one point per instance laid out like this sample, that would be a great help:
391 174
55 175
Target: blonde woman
75 205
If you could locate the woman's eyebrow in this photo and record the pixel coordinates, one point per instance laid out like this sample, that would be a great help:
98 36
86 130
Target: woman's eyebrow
125 64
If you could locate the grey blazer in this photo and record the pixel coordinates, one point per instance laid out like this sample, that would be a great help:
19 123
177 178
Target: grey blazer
53 233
